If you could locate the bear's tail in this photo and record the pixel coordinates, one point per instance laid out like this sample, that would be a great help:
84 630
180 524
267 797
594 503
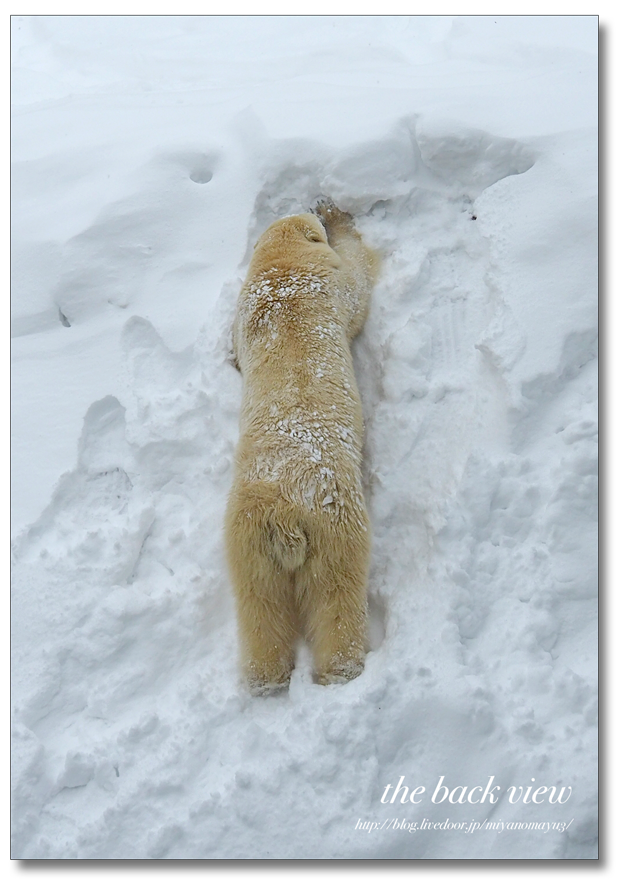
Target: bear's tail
288 542
259 515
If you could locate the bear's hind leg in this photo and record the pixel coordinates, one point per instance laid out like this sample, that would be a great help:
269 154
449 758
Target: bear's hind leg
335 612
267 628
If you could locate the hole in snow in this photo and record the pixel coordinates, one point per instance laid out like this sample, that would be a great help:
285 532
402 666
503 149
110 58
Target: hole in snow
376 622
201 175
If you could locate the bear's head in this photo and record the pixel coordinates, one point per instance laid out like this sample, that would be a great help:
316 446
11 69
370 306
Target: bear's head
300 240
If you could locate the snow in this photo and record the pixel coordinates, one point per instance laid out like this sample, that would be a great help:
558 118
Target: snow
148 155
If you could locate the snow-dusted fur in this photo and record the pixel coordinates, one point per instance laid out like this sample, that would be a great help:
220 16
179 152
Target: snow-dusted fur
297 531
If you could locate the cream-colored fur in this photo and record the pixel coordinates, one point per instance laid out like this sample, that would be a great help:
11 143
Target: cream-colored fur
297 531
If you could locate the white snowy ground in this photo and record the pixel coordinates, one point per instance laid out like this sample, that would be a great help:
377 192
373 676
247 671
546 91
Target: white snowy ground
148 155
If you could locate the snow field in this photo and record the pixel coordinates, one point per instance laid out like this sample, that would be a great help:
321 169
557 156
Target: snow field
477 370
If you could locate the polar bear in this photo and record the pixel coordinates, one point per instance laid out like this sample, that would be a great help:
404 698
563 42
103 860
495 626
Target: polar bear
297 530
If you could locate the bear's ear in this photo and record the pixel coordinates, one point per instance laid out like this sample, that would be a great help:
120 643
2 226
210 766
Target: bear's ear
312 235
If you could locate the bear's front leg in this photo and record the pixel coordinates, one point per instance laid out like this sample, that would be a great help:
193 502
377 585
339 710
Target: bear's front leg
337 223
